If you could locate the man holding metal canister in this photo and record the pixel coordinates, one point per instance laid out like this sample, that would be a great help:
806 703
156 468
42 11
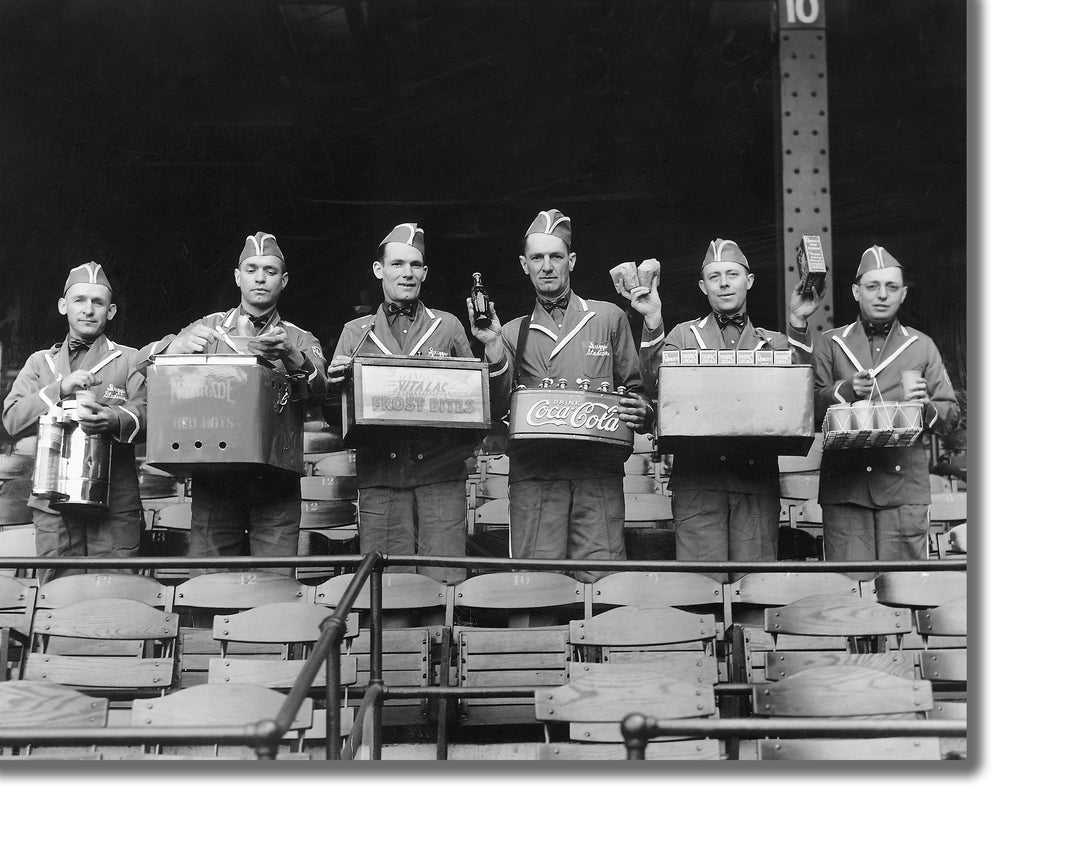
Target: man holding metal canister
875 501
411 480
566 497
725 503
263 506
86 361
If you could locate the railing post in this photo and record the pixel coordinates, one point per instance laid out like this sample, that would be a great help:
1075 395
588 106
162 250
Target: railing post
269 734
376 672
635 733
333 700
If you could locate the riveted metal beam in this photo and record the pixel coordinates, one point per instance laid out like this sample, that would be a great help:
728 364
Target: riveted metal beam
805 200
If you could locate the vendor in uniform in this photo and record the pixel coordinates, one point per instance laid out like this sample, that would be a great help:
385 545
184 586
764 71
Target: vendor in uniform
411 480
263 506
725 503
875 501
566 498
86 360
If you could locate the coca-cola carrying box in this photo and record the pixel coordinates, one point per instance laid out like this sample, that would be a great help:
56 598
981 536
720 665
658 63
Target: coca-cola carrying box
751 408
451 392
220 412
568 414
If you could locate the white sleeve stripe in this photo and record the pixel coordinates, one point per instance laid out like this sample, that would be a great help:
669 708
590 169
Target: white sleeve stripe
654 342
836 392
135 421
808 348
496 373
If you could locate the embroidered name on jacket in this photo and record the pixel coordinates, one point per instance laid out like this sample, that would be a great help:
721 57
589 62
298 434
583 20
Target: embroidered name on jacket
439 355
115 393
598 349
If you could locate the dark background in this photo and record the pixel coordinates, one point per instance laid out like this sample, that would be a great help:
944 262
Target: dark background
154 136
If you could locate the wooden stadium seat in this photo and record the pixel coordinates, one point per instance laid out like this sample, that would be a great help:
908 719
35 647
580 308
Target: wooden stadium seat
817 630
213 705
39 704
492 514
292 629
642 483
593 705
745 599
142 661
510 630
917 590
328 487
338 463
73 588
200 598
649 510
18 541
852 691
493 464
942 626
662 638
17 602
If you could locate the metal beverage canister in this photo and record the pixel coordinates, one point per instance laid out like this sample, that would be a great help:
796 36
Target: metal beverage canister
85 463
49 455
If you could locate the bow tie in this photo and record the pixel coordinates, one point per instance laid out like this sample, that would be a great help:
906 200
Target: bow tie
562 303
873 329
394 310
738 319
76 345
258 321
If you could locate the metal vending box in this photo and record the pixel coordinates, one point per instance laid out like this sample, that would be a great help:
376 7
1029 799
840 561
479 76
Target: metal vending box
221 412
751 408
568 414
451 392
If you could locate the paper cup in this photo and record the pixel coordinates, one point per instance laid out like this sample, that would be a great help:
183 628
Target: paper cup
908 415
908 378
883 415
838 417
862 415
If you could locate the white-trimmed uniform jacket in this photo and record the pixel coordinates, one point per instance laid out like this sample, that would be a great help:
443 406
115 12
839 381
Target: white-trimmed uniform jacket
309 383
880 477
708 468
594 342
407 457
37 388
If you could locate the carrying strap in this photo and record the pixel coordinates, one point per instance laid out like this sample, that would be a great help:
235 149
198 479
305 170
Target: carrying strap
519 351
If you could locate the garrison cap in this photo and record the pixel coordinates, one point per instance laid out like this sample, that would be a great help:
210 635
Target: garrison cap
724 250
88 272
551 222
874 258
406 234
261 244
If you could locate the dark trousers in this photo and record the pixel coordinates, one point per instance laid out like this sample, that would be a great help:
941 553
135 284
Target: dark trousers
107 534
263 508
865 533
428 520
725 526
559 519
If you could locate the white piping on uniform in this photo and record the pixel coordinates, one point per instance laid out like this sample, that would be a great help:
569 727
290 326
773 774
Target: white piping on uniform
876 370
700 341
543 329
425 337
378 342
571 334
135 419
808 348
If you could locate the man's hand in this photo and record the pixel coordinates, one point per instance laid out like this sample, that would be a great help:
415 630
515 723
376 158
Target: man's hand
490 336
79 379
335 372
634 411
645 299
194 341
862 383
97 418
274 344
916 390
802 305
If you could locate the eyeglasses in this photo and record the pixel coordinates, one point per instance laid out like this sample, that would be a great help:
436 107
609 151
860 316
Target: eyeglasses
874 288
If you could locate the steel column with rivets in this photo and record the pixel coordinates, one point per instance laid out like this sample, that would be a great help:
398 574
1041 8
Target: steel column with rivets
805 198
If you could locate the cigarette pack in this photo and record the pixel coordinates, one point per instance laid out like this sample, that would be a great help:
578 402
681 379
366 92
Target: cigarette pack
669 358
744 358
781 358
707 358
689 357
763 358
810 258
725 358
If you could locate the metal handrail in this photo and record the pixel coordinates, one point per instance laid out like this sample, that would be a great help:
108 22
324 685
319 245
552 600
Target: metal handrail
638 729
